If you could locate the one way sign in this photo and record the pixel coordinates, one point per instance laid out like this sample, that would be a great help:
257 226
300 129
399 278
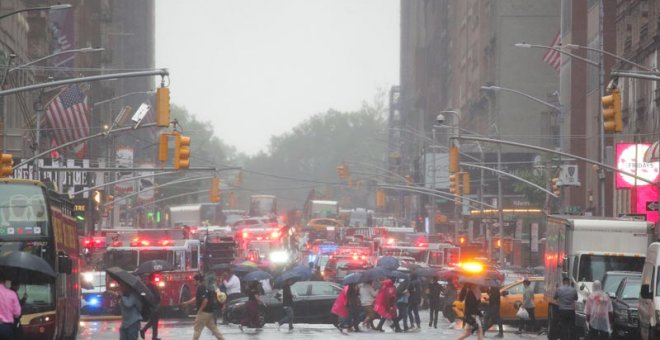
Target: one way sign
651 205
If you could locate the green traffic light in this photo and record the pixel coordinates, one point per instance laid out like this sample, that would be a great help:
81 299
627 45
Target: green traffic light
80 218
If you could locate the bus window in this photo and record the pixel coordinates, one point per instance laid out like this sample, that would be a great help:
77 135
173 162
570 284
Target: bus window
179 260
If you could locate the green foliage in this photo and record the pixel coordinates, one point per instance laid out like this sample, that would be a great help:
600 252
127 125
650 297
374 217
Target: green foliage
534 195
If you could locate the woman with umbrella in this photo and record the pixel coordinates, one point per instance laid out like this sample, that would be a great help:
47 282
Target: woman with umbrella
287 303
385 304
251 316
10 310
354 307
130 313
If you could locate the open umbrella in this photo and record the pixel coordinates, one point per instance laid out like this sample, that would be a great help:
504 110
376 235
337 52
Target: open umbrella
241 270
154 266
395 274
248 263
279 281
374 274
133 282
388 262
24 267
425 271
304 271
480 281
256 275
352 278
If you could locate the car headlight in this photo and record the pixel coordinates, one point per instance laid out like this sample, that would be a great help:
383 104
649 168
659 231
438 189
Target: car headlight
279 257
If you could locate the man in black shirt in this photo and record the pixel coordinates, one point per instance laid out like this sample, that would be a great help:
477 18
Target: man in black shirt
155 316
287 303
204 300
435 289
493 316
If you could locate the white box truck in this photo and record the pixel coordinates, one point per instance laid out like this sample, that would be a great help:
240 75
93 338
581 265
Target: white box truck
585 248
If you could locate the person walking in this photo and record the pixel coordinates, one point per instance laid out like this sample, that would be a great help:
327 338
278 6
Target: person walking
402 301
204 300
131 306
599 312
18 328
471 295
367 298
493 316
385 304
414 300
340 309
155 313
434 291
10 310
251 316
528 304
448 305
354 307
233 290
287 304
565 297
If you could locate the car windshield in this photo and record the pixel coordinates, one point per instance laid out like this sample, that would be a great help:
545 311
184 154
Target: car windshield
631 290
594 267
612 281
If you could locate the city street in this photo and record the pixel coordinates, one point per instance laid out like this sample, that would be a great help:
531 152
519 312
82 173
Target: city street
183 329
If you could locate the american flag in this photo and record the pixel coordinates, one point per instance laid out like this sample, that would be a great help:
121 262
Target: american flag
67 116
553 57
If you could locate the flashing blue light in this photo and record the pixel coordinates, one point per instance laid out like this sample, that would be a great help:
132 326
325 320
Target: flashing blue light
327 248
93 301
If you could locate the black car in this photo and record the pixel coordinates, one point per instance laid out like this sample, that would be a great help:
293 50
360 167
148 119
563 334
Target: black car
625 303
312 301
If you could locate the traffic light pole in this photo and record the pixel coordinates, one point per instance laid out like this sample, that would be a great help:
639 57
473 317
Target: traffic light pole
183 180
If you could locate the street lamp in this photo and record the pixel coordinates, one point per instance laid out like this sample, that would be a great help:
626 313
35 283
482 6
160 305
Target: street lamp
81 50
526 45
43 8
499 88
627 61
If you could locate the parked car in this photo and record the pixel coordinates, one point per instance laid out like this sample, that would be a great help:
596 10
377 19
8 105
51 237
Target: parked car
511 299
612 279
626 303
312 301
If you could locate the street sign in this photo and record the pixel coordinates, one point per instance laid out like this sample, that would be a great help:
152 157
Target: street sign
568 175
651 205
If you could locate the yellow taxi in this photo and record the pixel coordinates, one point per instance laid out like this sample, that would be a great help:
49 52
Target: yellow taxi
512 297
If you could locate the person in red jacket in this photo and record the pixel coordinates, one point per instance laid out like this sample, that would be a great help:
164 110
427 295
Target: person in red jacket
385 304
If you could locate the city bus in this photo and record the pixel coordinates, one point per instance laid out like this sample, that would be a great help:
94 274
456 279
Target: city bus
263 205
36 220
175 286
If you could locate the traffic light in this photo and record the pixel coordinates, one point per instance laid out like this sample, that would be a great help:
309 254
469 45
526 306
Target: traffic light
232 201
454 186
163 146
340 171
380 199
461 240
181 151
454 161
466 182
556 189
163 107
409 179
6 165
612 120
214 191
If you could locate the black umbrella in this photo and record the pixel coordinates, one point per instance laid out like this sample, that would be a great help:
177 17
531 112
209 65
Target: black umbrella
284 277
374 274
388 262
133 282
241 270
480 281
395 274
24 267
425 272
154 266
352 278
257 275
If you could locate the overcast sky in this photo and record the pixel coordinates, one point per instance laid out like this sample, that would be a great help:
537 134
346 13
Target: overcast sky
256 68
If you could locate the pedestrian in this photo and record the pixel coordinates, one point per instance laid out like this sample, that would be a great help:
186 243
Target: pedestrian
565 297
204 300
599 312
233 290
251 316
212 286
367 298
154 317
493 316
340 308
18 328
316 274
131 306
448 305
415 299
287 304
402 300
10 311
528 304
385 304
471 296
354 307
434 291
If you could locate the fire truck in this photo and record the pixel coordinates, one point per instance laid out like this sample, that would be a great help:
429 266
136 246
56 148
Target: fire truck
175 286
218 246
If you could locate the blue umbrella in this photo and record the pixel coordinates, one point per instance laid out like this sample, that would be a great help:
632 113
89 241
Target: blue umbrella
257 275
374 274
304 271
352 278
286 276
395 274
388 262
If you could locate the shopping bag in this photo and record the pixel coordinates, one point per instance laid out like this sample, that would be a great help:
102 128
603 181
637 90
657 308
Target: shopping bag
522 314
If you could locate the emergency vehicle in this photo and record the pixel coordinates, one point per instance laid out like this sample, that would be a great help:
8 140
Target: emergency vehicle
175 286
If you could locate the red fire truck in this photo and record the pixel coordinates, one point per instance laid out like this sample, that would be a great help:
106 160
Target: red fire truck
175 286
